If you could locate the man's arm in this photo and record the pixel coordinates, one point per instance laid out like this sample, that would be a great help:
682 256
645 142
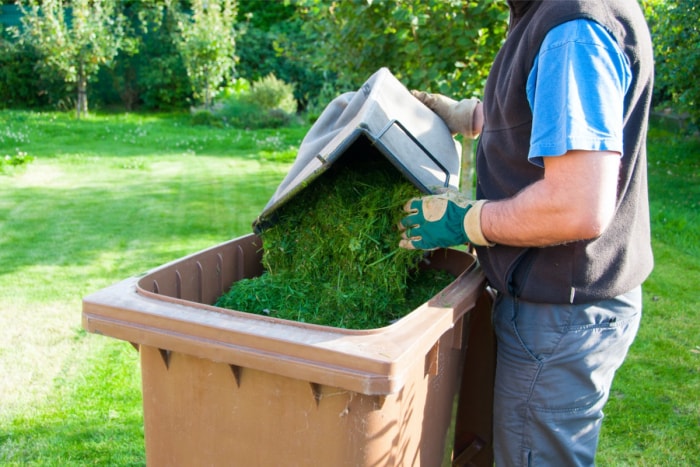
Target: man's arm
574 201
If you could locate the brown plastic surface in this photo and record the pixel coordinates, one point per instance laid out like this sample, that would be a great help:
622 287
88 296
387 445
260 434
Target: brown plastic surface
473 440
222 387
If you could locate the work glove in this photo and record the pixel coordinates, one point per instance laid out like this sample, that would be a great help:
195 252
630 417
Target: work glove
457 115
442 220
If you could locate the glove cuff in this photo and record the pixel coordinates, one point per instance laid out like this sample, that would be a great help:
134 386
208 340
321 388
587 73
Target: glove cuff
466 109
472 225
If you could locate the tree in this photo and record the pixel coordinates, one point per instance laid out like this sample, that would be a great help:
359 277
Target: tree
439 45
675 32
207 45
73 39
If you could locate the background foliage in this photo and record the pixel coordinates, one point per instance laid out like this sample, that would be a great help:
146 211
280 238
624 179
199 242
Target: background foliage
674 26
271 40
444 46
20 86
152 75
324 47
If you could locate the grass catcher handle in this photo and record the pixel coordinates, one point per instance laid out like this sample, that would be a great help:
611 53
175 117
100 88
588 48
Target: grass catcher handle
417 143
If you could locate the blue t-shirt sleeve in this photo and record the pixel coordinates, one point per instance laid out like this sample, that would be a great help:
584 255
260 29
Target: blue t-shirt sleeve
576 90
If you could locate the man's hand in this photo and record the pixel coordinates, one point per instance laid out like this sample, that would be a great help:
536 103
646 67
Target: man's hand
457 115
440 221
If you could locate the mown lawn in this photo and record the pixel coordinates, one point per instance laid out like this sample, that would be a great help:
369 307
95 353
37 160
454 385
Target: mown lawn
112 196
105 198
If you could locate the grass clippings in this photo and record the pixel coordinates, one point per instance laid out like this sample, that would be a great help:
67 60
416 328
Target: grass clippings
332 256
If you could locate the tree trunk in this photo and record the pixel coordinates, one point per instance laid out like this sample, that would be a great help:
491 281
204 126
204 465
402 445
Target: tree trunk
81 105
207 97
207 90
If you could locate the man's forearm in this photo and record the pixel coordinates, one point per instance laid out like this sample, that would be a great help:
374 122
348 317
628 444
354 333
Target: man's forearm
574 201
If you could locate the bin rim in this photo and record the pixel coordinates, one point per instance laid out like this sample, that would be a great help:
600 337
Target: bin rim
373 362
141 289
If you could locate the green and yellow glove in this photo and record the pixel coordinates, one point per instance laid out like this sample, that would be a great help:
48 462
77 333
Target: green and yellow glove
442 220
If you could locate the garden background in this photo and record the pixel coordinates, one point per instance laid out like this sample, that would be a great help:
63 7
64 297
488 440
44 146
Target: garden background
135 132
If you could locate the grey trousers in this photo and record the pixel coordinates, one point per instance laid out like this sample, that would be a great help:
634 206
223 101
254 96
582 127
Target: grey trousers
555 365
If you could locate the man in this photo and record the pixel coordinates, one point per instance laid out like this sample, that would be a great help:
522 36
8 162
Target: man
561 227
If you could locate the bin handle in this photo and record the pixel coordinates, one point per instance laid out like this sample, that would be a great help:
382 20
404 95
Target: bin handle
417 143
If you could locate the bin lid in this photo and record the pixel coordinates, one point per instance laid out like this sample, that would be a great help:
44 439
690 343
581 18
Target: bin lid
410 135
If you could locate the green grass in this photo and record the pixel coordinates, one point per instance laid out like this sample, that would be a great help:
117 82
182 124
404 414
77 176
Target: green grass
94 416
112 196
653 416
106 198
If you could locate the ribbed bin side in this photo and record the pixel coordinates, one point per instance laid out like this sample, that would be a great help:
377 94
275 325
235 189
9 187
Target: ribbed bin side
200 412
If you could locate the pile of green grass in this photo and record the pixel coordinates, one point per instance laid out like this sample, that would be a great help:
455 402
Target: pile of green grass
332 256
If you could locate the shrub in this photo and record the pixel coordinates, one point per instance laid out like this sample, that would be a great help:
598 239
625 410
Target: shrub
20 85
206 117
241 113
268 103
272 94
